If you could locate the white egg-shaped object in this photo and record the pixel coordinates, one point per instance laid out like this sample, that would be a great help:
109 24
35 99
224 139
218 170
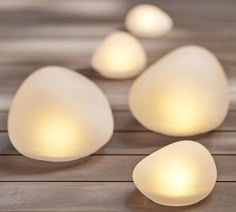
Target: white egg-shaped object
180 174
59 115
148 21
119 56
184 93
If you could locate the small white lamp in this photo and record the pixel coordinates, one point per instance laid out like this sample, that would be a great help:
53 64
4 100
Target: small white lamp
119 56
180 174
148 21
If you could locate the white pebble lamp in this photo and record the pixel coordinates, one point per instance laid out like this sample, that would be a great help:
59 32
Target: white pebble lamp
180 174
148 21
119 56
59 115
183 94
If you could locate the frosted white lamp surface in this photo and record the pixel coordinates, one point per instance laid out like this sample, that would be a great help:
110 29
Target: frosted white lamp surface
180 174
59 115
119 56
184 93
148 21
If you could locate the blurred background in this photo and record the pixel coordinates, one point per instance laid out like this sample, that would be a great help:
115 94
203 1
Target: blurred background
37 33
65 32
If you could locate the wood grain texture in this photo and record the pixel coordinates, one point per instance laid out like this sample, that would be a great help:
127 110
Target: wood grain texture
94 168
35 33
99 196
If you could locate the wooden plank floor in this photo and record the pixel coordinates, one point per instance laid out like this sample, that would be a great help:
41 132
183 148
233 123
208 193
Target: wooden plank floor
64 32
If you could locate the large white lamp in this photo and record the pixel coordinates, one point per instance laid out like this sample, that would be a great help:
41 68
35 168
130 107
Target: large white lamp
184 93
59 115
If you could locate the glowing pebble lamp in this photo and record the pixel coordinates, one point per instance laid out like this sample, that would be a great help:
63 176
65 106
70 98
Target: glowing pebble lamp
180 174
183 94
119 56
59 115
148 21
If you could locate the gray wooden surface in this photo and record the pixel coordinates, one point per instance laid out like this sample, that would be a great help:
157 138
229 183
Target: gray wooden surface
37 33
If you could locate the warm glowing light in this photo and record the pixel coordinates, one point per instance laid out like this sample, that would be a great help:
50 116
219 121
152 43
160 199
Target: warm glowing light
179 116
56 115
55 132
184 93
179 174
148 21
177 179
119 55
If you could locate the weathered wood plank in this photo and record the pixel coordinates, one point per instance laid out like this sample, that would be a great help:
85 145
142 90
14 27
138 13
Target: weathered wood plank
26 196
56 49
134 143
184 12
65 31
99 30
93 168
